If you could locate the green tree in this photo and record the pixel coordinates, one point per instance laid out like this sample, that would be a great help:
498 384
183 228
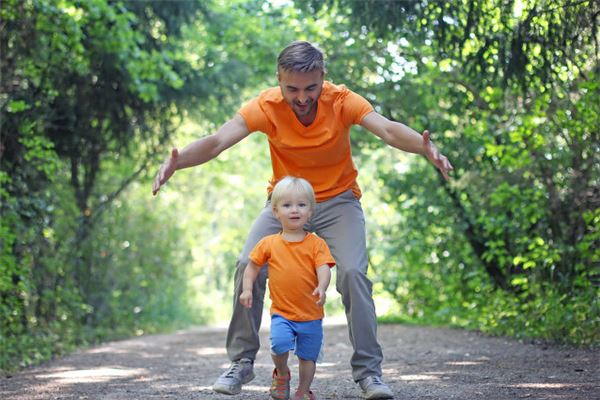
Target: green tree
90 93
510 91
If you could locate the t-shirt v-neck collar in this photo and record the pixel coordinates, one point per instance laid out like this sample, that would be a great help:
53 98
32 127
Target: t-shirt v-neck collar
299 123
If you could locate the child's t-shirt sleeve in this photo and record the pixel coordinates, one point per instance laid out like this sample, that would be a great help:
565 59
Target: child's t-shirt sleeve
260 253
322 254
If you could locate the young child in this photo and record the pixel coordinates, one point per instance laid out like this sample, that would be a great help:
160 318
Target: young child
299 274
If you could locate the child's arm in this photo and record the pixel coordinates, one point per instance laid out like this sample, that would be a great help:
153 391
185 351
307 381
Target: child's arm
323 276
250 275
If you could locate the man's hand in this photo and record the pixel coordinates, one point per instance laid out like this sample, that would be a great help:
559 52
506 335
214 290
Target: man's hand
167 169
433 154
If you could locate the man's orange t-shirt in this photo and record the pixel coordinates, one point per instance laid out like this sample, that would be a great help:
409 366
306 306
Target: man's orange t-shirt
292 274
320 152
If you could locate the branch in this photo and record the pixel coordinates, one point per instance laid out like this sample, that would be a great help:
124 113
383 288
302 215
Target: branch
479 101
474 239
564 6
149 156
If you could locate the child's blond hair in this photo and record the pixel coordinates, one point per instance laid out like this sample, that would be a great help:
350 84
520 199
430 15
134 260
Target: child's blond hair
289 183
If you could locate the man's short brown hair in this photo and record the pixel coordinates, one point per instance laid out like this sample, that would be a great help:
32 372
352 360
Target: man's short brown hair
301 56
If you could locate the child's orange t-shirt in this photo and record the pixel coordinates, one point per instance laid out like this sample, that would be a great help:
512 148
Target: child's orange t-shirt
292 274
320 152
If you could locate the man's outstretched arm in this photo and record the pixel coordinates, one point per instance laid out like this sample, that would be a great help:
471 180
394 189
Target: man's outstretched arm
405 138
202 150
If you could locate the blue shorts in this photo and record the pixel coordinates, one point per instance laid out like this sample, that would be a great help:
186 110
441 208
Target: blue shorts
305 337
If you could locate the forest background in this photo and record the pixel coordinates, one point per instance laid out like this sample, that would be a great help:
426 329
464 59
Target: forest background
93 94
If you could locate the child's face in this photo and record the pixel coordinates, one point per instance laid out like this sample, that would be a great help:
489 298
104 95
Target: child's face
293 210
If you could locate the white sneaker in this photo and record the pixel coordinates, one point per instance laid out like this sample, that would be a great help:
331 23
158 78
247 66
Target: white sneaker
230 381
373 388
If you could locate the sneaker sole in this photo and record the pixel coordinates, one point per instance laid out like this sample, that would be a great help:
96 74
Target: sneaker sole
231 390
376 396
224 390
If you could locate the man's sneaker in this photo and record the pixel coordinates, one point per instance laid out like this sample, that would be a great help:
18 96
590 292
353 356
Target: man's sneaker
280 386
240 372
373 388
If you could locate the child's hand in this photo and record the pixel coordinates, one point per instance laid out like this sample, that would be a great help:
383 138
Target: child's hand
322 296
246 298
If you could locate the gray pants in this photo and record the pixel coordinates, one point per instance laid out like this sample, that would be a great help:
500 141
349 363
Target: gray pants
340 222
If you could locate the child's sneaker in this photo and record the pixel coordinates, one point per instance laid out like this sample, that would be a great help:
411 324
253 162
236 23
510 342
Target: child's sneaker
280 386
304 396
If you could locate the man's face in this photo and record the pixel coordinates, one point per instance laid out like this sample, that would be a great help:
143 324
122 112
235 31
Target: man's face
301 90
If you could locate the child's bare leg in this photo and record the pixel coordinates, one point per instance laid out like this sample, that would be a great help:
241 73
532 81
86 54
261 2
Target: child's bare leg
306 374
281 363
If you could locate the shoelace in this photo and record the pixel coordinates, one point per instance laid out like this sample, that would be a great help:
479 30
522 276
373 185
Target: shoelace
279 383
234 369
376 380
280 387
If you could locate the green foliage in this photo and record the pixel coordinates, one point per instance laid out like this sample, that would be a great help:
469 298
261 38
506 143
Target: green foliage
138 271
509 238
90 94
528 42
84 85
93 92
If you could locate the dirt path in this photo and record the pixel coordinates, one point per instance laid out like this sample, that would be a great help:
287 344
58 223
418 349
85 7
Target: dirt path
420 363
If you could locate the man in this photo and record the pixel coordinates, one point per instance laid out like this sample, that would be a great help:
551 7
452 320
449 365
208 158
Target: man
307 121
